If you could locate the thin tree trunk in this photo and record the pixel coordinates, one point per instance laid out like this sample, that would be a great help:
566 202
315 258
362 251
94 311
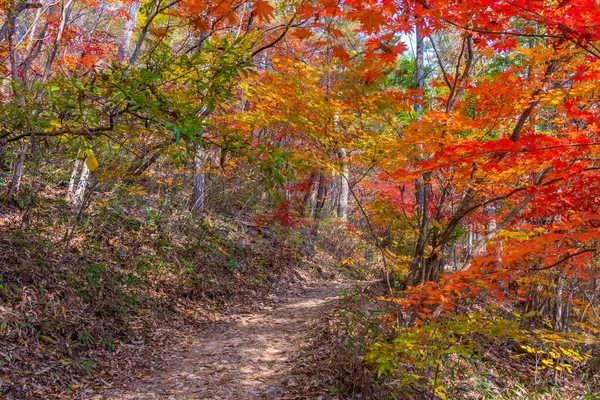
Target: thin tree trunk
67 7
421 194
15 183
319 203
321 196
558 310
19 30
419 83
73 180
345 188
81 187
419 253
460 81
334 194
3 148
123 52
199 190
419 70
567 313
15 35
16 32
490 211
306 201
36 40
144 33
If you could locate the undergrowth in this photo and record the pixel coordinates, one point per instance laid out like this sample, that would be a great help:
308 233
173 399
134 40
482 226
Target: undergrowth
465 356
89 298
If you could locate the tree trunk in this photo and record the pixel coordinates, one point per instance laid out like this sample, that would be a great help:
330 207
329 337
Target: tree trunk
73 181
199 190
559 306
422 191
419 254
306 201
419 71
319 203
144 33
321 196
333 200
15 183
130 24
36 37
77 199
492 225
67 7
3 147
345 188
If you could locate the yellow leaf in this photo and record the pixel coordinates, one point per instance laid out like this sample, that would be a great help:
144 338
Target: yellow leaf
440 391
389 254
567 366
91 162
136 190
548 362
519 236
489 52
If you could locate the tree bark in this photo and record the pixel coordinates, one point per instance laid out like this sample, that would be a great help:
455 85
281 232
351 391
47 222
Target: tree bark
144 33
333 200
419 70
197 199
130 24
67 7
344 188
3 148
321 196
559 305
77 199
73 180
419 253
421 194
15 183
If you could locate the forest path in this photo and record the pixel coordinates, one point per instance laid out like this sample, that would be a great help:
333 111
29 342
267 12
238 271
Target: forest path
249 356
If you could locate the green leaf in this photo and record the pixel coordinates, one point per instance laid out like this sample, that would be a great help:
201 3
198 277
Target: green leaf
177 134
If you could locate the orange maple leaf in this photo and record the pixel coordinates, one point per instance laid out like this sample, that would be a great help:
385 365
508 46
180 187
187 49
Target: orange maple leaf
302 33
263 10
342 55
370 20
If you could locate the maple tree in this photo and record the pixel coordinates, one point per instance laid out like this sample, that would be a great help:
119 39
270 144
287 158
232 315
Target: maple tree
484 178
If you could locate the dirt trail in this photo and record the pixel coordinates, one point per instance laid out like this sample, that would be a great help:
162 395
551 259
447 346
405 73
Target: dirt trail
247 357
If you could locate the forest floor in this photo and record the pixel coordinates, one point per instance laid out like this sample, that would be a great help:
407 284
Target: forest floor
246 355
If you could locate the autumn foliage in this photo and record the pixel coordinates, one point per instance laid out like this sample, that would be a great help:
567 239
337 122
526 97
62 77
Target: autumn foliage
460 138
